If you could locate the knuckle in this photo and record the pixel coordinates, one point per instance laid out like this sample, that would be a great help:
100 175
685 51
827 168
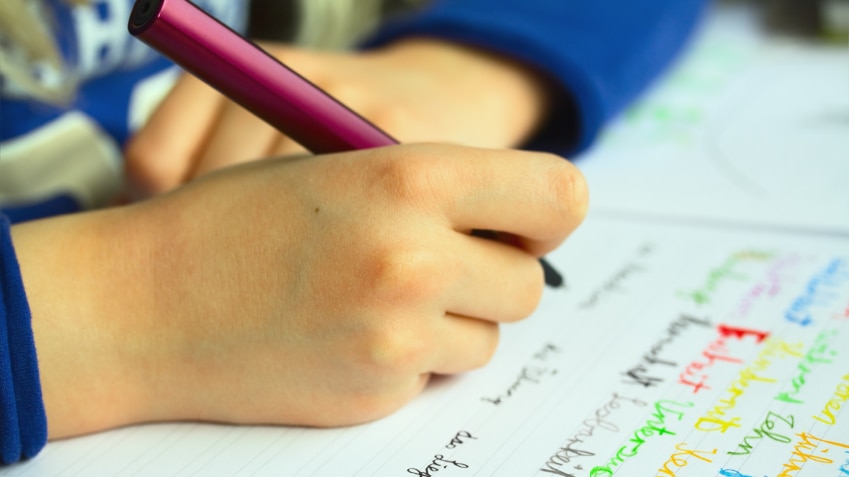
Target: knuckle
395 352
402 275
407 179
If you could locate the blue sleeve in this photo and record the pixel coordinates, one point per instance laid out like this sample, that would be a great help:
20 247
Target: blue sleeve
23 424
599 54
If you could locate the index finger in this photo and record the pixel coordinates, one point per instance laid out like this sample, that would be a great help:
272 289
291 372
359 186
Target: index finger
538 198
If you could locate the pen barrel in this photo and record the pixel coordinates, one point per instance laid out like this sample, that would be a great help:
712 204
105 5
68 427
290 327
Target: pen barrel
248 75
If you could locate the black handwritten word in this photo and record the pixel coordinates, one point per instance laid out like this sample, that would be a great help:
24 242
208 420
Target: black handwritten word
600 420
655 425
457 440
639 374
528 375
613 284
766 429
547 350
438 463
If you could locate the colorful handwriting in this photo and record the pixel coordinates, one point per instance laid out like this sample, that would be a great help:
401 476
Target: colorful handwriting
774 349
694 375
724 273
769 285
639 374
677 459
844 469
816 355
732 473
600 420
803 452
765 430
655 425
820 291
841 395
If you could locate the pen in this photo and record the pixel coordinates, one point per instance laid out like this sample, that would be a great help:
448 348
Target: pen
246 74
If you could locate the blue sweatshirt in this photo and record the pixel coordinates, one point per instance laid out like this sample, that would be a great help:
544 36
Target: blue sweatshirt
598 55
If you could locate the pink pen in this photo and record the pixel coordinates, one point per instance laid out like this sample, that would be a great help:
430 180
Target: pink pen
260 83
252 78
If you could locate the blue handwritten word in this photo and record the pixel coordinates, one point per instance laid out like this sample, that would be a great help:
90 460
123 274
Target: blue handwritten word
819 291
733 473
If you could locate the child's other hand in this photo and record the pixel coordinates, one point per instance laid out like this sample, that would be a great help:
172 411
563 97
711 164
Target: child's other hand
416 90
316 291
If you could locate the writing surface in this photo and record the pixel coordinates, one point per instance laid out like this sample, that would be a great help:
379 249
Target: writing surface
747 127
659 326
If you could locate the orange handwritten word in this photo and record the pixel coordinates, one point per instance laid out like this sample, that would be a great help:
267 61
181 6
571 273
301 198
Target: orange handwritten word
694 375
803 452
715 419
841 395
678 459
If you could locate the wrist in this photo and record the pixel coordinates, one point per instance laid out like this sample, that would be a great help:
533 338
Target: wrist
81 273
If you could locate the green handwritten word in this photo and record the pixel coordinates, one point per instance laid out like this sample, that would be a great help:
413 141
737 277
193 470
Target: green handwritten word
818 353
724 273
766 429
655 425
715 419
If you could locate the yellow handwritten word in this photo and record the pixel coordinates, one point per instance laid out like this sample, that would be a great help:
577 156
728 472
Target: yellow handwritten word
715 419
803 452
655 425
724 273
841 395
677 459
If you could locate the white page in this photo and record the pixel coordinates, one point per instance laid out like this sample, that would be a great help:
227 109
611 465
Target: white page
747 128
628 283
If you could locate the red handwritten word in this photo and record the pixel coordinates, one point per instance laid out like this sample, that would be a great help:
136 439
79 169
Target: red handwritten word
694 374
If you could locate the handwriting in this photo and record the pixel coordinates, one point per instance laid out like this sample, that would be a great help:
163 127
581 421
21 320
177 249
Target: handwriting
844 469
528 375
770 285
803 452
821 290
694 375
439 463
600 420
722 274
841 395
655 425
765 430
457 440
613 284
773 349
638 374
816 355
677 459
732 473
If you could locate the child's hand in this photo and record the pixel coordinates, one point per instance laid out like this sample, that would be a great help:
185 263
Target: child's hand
316 291
417 91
